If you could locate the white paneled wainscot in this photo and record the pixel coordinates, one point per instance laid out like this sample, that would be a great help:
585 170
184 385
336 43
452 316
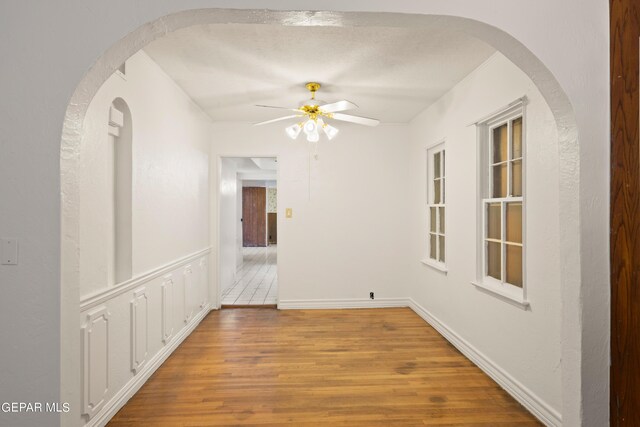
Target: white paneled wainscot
144 250
129 330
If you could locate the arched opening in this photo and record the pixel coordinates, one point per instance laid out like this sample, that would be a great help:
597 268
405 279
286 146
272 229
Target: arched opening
509 47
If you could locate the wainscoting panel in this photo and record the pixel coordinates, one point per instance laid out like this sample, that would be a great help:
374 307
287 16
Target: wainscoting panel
188 293
203 295
139 329
167 308
130 329
96 360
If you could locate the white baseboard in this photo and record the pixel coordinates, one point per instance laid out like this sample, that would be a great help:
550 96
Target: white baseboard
538 407
343 303
134 384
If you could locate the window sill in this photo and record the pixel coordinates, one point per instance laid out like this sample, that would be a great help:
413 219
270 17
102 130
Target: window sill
435 265
513 296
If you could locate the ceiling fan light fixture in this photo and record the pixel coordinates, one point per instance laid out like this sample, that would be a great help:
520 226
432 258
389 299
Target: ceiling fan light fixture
310 127
330 131
293 131
314 112
313 136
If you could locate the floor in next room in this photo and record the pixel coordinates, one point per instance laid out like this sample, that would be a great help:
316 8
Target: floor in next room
257 280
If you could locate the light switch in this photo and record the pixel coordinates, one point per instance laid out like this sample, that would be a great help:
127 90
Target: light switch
288 213
9 251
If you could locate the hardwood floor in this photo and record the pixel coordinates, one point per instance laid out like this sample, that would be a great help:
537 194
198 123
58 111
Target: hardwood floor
367 367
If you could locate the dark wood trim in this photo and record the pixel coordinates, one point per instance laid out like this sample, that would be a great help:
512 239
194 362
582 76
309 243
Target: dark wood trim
272 228
625 214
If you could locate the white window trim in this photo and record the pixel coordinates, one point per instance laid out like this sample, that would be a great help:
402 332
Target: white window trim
503 290
430 151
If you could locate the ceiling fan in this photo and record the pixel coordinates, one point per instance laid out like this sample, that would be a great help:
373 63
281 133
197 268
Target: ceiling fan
314 114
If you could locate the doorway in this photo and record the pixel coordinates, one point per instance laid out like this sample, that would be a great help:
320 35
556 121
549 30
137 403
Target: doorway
248 232
70 342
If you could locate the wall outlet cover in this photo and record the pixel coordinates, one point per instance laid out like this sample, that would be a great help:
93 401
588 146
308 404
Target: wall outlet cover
9 251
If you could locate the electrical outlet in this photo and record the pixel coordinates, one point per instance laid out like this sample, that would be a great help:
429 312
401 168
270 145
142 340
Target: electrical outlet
9 251
371 295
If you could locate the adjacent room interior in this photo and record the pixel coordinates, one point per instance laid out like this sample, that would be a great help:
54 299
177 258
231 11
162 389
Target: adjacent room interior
425 191
248 232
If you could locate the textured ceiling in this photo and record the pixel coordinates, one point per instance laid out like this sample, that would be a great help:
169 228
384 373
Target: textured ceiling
391 73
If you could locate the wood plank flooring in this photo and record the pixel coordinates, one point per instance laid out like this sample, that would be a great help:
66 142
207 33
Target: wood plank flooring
367 367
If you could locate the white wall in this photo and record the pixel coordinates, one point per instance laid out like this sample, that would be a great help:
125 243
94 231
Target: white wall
129 328
171 138
348 224
228 199
525 344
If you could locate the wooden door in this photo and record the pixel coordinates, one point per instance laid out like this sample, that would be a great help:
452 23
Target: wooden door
625 214
272 227
254 216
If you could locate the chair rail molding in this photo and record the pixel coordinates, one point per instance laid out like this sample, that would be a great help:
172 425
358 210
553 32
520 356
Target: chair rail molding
128 331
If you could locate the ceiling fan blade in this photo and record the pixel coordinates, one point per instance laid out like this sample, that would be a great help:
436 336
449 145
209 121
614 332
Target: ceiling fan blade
356 119
277 120
279 108
343 105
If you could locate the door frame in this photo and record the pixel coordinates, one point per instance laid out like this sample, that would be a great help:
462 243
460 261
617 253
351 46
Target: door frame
624 375
215 224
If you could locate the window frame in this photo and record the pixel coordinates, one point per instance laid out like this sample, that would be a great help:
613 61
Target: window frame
485 147
430 153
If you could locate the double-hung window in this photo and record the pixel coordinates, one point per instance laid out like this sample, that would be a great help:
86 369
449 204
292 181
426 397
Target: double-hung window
502 201
436 206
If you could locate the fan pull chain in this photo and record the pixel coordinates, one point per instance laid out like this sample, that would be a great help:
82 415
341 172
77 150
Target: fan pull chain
313 155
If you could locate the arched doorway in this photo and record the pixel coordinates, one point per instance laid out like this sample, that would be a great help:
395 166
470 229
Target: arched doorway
511 48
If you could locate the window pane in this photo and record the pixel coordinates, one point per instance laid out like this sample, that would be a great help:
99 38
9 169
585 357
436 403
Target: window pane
516 178
500 144
436 165
436 191
494 225
500 181
516 138
514 265
432 215
441 242
432 246
494 260
441 218
514 222
443 163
